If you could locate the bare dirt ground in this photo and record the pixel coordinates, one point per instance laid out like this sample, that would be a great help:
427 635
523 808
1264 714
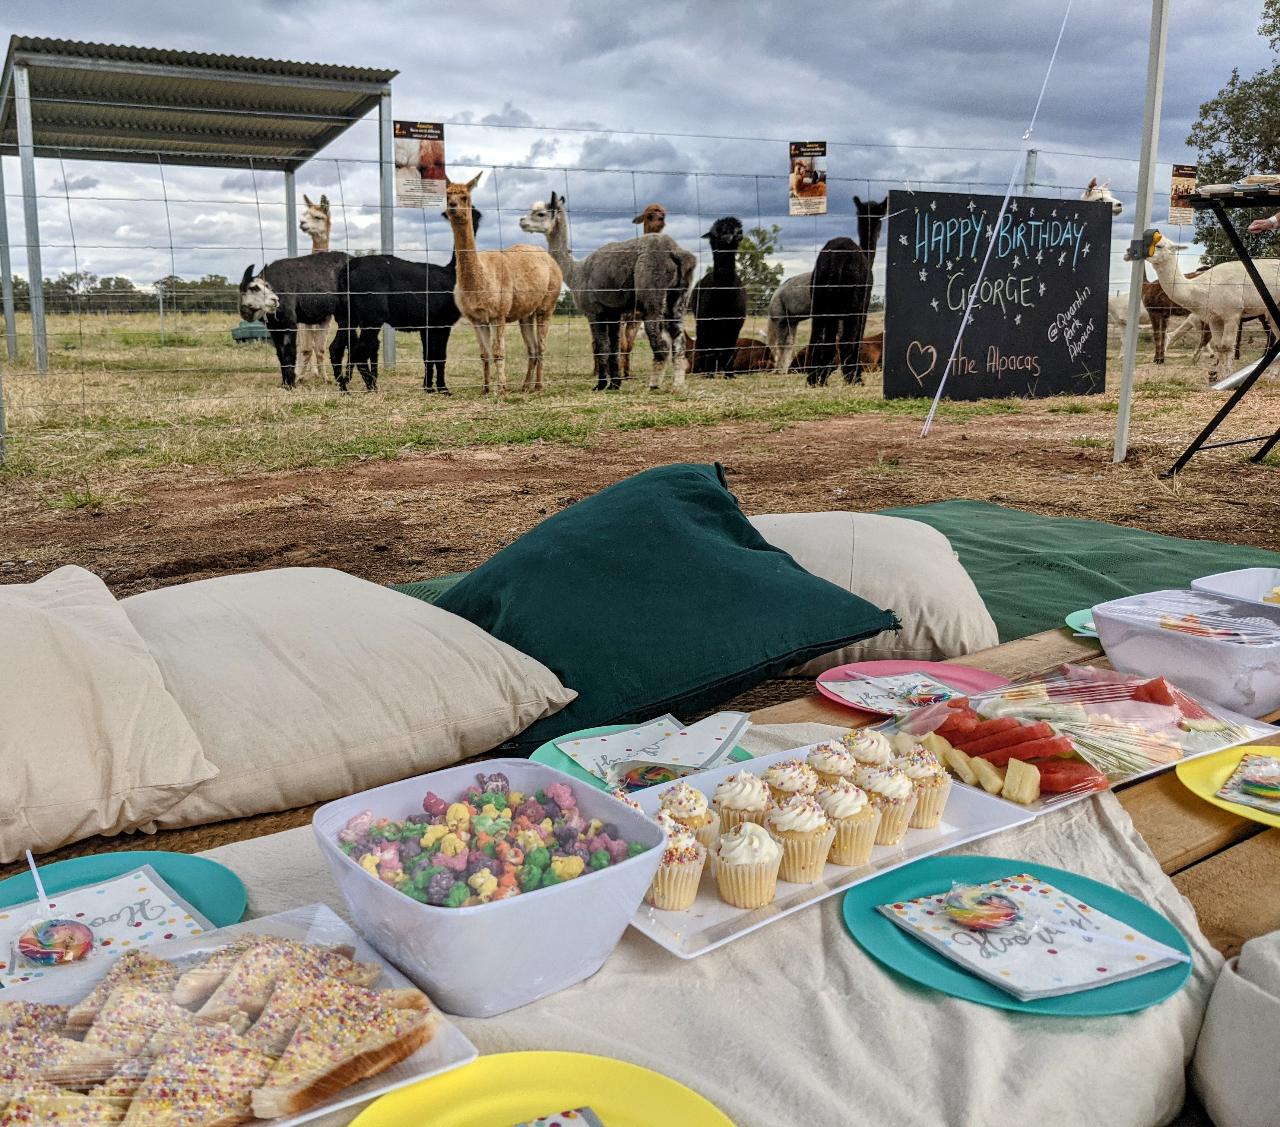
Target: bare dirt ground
430 513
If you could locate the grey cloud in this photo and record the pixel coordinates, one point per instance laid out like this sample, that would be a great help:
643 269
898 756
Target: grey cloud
74 184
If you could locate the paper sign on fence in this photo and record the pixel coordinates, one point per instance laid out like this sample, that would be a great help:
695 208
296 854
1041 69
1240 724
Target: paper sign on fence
420 173
807 183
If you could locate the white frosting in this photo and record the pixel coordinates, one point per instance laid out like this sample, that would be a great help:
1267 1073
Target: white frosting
919 765
843 800
747 844
742 792
885 782
832 758
792 775
868 746
799 814
679 837
684 801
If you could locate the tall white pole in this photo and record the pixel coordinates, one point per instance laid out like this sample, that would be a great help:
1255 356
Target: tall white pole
1142 216
386 203
31 213
290 214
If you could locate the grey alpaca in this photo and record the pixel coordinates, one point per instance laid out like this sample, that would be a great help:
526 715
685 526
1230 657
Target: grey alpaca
650 275
792 302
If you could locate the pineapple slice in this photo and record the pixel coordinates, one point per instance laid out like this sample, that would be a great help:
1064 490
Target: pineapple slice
962 766
990 777
1021 782
936 744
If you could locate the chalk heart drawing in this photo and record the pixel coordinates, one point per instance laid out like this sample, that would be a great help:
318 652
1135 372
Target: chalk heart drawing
921 360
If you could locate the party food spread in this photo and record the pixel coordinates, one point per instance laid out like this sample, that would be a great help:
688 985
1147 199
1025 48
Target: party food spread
490 843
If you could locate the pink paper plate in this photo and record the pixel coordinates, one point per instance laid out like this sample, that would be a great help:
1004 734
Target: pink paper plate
962 677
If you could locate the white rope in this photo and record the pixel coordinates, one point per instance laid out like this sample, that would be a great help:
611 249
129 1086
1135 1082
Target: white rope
991 242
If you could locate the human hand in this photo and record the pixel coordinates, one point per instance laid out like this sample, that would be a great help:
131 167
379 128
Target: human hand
1259 226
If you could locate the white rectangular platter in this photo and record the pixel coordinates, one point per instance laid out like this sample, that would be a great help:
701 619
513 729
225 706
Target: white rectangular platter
315 923
711 923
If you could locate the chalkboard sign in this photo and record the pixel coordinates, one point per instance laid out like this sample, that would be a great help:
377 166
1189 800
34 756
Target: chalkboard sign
1039 323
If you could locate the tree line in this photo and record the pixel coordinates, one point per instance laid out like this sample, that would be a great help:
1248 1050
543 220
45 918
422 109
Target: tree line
82 292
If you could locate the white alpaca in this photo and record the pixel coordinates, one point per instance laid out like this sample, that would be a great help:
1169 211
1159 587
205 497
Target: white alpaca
1096 191
313 339
1219 297
1118 312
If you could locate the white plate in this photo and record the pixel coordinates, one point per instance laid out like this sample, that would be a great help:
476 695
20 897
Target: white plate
710 922
1248 584
316 923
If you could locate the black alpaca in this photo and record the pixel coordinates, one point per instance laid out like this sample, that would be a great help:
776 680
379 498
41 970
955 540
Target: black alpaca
719 302
289 292
381 289
841 292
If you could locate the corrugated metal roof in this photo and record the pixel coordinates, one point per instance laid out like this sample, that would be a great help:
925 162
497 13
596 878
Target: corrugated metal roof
114 102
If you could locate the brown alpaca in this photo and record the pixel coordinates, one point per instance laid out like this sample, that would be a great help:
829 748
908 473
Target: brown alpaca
800 188
520 283
654 219
313 339
752 355
870 355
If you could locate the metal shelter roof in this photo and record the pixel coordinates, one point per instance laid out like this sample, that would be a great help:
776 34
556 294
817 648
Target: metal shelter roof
98 101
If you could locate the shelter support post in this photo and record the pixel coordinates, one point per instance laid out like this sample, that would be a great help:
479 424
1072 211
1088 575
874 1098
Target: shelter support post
1142 216
290 214
1029 172
30 204
386 203
6 282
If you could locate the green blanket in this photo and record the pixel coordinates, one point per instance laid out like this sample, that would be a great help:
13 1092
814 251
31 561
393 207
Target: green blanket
1033 570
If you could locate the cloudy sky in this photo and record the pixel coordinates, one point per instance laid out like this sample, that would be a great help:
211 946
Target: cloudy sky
616 104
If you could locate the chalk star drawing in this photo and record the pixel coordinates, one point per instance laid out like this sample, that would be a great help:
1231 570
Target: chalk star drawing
1013 205
990 232
934 303
1016 262
972 205
1076 215
1085 249
1042 289
933 205
1053 214
924 275
1017 319
1031 213
949 266
1039 256
1062 258
903 240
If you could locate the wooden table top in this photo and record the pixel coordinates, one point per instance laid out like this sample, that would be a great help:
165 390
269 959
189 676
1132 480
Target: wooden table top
1227 866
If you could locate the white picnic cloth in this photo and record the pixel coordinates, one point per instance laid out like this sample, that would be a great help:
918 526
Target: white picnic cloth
794 1024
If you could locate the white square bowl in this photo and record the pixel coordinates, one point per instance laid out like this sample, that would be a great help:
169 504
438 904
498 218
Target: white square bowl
490 958
1247 585
1243 678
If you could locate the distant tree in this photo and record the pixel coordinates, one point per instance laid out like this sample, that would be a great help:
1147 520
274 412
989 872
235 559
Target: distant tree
565 306
758 277
1239 133
21 294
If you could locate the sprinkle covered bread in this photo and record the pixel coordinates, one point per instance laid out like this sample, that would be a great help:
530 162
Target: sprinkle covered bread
134 968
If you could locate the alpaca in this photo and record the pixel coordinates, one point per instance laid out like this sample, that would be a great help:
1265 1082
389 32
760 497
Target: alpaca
649 275
719 301
315 223
1095 191
519 283
416 296
291 292
653 220
841 292
870 356
1118 315
801 186
752 355
1220 297
791 303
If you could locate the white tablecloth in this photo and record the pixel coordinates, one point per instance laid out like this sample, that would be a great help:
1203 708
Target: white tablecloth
794 1025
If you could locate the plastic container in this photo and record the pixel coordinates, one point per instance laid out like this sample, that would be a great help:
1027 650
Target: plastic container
1248 585
1235 664
490 958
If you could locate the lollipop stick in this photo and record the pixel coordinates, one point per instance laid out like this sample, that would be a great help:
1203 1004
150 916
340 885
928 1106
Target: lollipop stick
40 892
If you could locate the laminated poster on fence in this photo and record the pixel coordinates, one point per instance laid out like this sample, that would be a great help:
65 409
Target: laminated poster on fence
1056 945
420 169
129 911
807 178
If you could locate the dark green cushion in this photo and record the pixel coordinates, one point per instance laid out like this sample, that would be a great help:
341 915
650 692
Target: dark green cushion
656 595
1033 570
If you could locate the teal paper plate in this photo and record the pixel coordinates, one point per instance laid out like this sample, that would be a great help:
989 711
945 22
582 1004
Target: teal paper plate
895 949
551 756
212 889
1081 621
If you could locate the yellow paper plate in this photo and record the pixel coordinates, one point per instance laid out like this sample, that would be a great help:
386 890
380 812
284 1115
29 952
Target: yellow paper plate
1206 775
509 1088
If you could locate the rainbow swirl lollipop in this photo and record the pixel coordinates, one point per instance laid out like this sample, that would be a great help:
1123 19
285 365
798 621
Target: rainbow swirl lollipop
50 942
979 909
1262 779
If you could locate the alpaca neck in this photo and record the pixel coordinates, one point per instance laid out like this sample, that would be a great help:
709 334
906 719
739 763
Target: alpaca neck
320 241
468 270
1174 283
558 248
723 265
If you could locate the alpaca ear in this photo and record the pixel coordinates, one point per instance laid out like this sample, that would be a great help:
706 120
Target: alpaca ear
1091 185
858 205
324 204
705 235
638 219
306 199
248 277
474 180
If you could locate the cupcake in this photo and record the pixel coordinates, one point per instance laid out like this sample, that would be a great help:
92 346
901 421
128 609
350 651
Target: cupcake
747 861
868 747
688 806
789 777
675 885
891 792
805 834
932 786
833 761
741 798
855 819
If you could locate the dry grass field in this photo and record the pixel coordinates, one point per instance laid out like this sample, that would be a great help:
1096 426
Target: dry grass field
154 462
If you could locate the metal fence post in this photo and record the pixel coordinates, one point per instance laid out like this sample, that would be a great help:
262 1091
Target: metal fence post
290 214
30 204
387 202
6 276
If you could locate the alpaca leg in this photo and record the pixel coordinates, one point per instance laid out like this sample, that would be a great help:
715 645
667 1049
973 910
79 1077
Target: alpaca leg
286 342
1224 333
1159 333
626 342
338 351
498 337
599 353
1239 334
543 326
663 347
437 351
484 340
786 341
611 329
530 335
427 385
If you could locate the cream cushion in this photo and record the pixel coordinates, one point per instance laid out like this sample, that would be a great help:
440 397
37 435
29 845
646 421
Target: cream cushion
90 740
902 565
305 684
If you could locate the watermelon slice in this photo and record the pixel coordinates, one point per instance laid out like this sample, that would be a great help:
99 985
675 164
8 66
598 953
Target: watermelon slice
1052 747
1008 737
1155 691
1059 776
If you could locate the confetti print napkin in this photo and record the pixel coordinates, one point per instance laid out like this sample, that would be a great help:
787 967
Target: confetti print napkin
1060 945
128 911
579 1117
598 754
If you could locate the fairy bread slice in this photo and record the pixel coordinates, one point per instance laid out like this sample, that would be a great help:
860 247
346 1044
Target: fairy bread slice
134 968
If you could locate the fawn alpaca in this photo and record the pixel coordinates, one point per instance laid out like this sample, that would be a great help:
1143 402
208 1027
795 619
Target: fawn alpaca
316 223
520 283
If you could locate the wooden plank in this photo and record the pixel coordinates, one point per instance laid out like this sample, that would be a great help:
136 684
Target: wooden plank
1236 893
